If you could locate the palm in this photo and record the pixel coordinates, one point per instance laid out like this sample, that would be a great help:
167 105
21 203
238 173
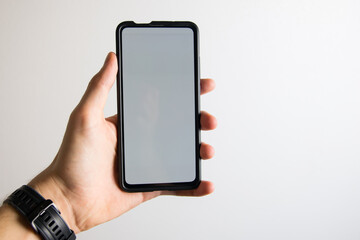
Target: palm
96 191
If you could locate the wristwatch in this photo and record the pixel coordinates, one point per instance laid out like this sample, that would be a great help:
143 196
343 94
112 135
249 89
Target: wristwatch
42 214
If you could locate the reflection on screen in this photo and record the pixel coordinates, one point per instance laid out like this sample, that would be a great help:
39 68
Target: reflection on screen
159 105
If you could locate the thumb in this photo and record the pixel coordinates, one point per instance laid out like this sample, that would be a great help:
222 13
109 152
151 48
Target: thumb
98 89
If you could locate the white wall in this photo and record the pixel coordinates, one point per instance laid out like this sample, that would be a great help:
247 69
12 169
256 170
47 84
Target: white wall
287 100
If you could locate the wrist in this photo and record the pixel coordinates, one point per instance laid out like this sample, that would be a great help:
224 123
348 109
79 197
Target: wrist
49 187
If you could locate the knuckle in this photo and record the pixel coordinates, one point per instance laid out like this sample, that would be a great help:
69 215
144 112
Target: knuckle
81 117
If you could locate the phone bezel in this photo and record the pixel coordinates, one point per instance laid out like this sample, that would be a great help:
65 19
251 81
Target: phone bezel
120 146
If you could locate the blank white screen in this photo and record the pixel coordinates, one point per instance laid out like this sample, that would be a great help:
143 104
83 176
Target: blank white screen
158 105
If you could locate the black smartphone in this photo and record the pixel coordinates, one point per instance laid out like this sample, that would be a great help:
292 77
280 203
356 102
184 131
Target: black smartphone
158 88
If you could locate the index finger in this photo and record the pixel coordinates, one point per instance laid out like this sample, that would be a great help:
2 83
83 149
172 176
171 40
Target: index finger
206 85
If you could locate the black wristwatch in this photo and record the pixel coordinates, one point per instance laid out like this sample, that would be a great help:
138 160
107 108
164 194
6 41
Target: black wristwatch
42 214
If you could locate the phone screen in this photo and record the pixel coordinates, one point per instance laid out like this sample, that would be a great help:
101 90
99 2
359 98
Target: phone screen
158 101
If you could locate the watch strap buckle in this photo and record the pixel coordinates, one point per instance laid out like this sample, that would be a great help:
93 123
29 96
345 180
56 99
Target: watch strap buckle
38 211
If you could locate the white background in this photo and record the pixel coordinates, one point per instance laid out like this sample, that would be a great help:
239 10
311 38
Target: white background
287 100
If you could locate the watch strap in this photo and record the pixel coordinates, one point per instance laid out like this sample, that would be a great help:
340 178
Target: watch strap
41 213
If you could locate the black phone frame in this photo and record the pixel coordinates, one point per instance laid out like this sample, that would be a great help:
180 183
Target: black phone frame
120 136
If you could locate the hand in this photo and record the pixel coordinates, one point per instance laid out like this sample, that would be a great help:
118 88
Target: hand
82 179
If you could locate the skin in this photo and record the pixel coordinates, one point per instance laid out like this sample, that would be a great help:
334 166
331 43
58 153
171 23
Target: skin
82 179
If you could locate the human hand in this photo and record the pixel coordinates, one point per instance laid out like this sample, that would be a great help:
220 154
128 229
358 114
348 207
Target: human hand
82 179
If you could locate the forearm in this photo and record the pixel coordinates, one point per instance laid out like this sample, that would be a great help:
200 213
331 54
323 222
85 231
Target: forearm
15 226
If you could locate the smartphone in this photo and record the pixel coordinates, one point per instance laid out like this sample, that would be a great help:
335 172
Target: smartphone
158 89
